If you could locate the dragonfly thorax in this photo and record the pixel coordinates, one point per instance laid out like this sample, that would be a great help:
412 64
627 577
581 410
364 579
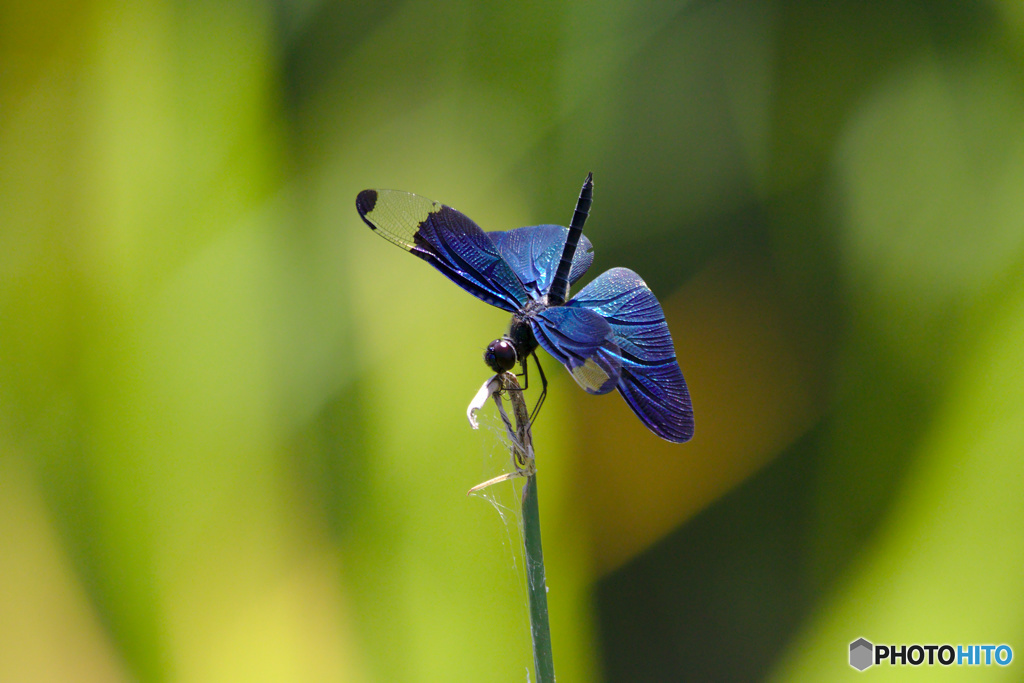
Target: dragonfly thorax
520 331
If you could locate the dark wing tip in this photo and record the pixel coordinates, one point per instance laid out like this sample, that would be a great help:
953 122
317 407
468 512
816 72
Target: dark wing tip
686 433
676 433
680 429
590 179
365 202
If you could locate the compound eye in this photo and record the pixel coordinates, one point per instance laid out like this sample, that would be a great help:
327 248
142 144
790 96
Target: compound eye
500 355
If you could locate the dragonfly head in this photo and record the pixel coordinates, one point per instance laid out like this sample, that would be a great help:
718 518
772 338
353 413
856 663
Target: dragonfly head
500 355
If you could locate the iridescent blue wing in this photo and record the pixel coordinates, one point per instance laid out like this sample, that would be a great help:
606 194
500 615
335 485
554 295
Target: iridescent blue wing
533 253
583 342
445 239
650 379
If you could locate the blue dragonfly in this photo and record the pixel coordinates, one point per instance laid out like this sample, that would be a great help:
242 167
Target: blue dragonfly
611 335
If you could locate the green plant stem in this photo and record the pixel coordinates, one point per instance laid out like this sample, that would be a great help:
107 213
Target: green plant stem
536 585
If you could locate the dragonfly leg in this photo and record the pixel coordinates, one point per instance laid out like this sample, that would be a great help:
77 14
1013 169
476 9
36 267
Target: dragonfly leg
543 390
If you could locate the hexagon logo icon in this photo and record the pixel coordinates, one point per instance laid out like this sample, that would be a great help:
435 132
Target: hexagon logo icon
861 654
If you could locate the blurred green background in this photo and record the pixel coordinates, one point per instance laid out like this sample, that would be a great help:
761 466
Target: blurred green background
233 444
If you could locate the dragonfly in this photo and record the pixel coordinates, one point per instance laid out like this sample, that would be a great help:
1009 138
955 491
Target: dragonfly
611 335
